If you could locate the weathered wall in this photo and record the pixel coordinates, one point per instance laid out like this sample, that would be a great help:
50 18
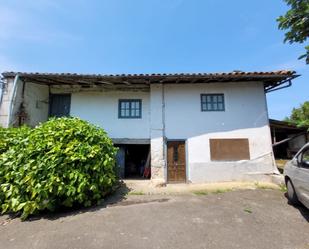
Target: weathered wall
5 104
158 162
36 102
245 116
101 108
11 101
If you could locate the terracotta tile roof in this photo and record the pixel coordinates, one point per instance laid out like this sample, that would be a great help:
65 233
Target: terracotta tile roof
217 74
271 79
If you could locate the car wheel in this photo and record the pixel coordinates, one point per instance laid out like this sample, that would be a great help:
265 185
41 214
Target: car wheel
291 193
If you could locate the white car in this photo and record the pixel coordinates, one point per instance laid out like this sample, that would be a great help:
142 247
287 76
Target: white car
296 174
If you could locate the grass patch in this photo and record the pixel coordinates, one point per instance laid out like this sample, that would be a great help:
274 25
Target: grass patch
248 210
221 191
212 191
201 192
283 188
263 186
136 193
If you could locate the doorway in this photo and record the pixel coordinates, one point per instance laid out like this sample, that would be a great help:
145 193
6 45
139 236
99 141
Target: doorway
134 161
176 161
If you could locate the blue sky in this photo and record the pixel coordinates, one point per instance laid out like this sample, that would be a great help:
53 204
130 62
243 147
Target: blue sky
151 36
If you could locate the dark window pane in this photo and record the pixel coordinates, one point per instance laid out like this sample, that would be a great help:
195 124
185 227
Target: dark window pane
212 102
130 108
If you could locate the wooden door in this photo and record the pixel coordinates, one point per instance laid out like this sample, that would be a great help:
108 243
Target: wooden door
176 161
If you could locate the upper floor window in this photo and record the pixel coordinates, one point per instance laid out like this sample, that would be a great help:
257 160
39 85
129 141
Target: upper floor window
212 102
130 108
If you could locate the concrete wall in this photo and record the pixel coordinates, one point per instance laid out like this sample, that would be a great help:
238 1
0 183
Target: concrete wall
11 101
36 102
245 116
101 108
5 104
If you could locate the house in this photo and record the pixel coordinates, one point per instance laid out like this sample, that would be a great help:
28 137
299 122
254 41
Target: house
197 127
287 138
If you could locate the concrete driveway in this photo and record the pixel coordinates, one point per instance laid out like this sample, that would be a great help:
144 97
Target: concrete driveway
238 219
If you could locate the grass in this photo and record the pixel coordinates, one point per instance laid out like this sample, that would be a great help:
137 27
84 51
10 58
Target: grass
248 210
263 186
212 191
201 192
282 188
136 193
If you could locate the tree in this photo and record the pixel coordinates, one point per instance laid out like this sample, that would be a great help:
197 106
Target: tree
296 22
300 116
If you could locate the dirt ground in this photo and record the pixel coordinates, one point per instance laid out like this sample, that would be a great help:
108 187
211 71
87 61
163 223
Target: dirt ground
259 218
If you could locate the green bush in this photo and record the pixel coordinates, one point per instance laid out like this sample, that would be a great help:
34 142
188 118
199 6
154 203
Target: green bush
12 136
62 162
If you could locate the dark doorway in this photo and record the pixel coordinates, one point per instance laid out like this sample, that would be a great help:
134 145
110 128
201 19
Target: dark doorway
176 161
134 161
59 105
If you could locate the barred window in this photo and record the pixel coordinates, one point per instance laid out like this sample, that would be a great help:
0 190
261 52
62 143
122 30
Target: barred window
212 102
130 108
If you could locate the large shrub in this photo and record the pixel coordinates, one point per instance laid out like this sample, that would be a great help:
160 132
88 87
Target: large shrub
62 162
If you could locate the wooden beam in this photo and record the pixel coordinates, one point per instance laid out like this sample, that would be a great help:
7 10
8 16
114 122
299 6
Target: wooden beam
126 82
104 82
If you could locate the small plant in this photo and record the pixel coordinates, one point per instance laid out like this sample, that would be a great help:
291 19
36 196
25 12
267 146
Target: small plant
283 188
221 191
248 210
62 162
201 192
136 193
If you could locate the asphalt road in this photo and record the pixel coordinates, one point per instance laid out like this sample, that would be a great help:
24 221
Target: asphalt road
239 219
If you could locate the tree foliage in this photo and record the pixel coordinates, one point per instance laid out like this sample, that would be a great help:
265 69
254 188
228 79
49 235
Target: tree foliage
62 162
296 22
300 116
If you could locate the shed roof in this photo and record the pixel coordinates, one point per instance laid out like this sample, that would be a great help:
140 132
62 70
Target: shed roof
271 79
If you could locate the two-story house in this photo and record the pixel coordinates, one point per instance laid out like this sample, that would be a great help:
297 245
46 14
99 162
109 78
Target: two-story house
186 127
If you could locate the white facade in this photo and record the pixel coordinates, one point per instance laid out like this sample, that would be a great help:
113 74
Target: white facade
170 112
101 108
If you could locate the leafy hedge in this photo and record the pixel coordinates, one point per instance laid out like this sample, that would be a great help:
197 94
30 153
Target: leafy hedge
62 162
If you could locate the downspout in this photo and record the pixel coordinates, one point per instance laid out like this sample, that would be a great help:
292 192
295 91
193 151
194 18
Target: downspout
274 165
12 100
1 90
163 132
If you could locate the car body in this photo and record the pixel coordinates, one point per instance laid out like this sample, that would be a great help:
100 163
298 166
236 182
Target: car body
296 174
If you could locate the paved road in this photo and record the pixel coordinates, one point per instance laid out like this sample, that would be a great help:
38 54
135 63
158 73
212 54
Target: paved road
240 219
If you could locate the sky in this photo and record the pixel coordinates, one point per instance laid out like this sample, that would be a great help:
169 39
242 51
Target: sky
152 36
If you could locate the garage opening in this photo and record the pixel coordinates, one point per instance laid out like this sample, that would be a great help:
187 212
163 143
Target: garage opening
134 161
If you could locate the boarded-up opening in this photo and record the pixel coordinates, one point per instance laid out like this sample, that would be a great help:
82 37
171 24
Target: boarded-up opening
229 149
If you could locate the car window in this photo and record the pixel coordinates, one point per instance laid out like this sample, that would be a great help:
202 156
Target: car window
305 158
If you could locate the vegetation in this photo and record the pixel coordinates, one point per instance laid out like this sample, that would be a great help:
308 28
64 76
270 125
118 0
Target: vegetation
62 162
300 116
296 22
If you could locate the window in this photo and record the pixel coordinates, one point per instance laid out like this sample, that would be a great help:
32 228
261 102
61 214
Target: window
212 102
130 108
305 158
